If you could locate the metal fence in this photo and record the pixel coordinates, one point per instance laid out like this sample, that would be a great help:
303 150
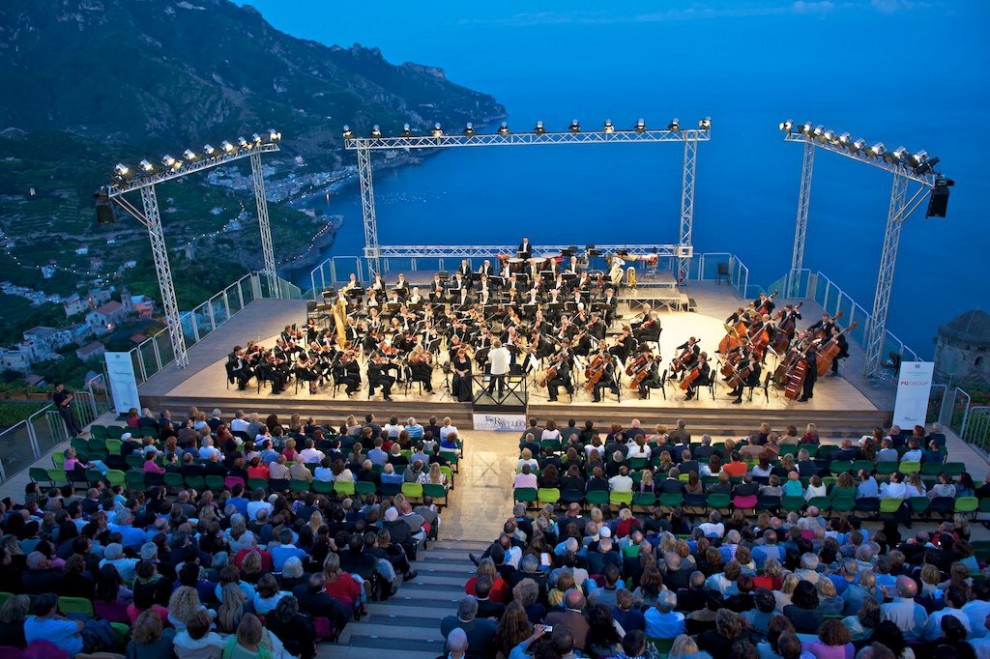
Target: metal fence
953 408
977 429
708 266
24 443
156 352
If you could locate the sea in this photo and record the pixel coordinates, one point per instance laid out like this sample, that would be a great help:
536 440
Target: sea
894 71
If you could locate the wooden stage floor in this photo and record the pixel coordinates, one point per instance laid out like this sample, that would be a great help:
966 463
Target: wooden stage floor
203 383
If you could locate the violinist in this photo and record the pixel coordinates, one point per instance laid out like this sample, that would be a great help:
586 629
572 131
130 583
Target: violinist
378 376
746 373
421 367
415 297
647 329
372 301
351 333
611 303
583 283
272 369
345 371
406 342
703 377
312 331
461 385
840 339
238 368
464 299
560 369
378 284
306 372
436 289
572 266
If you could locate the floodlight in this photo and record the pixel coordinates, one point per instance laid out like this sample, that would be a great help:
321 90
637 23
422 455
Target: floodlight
919 158
844 139
705 124
376 132
469 130
858 145
190 155
608 128
209 150
575 126
503 130
227 147
146 166
171 163
256 139
640 125
437 130
539 128
348 133
243 143
805 128
675 125
121 170
877 149
406 130
274 135
786 126
926 167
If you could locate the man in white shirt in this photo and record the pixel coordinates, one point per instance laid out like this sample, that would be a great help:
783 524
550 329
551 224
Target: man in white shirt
207 449
238 424
978 608
909 616
621 482
714 526
311 455
895 489
499 362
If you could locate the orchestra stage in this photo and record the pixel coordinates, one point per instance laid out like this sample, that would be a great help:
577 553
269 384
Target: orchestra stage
839 406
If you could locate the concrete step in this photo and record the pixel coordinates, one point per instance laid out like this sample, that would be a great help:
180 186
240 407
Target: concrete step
435 582
421 629
467 545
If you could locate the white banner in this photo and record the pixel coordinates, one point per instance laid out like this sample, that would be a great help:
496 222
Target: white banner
914 386
500 422
123 384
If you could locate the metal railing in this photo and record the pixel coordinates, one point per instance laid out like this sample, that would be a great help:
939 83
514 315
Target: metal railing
977 428
832 299
155 353
336 271
25 442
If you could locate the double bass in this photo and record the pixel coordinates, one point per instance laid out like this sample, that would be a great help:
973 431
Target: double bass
821 333
762 309
828 351
795 379
785 331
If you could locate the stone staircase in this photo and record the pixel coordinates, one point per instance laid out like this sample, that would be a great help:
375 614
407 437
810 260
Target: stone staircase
409 622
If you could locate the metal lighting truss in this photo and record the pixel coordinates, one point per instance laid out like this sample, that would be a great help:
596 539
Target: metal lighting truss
906 169
151 219
373 252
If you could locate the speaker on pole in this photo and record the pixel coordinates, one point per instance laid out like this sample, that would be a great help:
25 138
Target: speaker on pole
104 207
938 202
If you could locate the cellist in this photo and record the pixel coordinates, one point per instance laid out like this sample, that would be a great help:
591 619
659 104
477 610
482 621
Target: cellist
561 363
687 359
702 379
652 376
746 374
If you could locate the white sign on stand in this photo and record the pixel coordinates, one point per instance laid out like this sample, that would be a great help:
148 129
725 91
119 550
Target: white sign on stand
123 384
914 386
500 422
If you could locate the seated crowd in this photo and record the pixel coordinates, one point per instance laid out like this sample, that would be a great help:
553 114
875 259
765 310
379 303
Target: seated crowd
596 579
243 569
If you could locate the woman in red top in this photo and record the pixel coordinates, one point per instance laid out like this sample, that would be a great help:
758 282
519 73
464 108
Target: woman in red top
500 590
341 585
290 450
257 469
133 418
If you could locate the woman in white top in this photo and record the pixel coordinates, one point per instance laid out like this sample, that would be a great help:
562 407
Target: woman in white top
915 487
446 428
595 445
436 477
815 488
527 459
550 431
637 448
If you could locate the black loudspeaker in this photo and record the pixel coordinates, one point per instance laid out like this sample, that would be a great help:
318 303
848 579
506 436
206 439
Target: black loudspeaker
938 202
104 208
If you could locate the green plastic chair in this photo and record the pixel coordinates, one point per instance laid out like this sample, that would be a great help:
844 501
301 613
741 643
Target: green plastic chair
215 483
412 490
99 446
907 468
919 506
596 497
97 430
436 492
135 460
886 468
4 596
346 488
81 446
524 495
620 498
115 432
174 481
549 495
890 505
57 477
792 504
954 469
298 486
638 463
196 482
37 474
58 460
364 487
661 646
967 504
133 480
321 487
822 503
931 468
449 474
861 465
719 501
644 499
671 499
75 605
112 446
843 503
254 483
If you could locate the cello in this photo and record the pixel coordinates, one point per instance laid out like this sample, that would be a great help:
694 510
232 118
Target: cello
595 371
693 375
828 352
678 363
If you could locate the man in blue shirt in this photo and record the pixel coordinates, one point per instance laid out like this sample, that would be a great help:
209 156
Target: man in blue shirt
414 429
868 487
45 625
661 620
285 550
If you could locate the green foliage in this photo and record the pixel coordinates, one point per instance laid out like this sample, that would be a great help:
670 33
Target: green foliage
18 315
12 412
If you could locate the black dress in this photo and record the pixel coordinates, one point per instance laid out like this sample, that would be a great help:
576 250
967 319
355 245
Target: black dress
460 387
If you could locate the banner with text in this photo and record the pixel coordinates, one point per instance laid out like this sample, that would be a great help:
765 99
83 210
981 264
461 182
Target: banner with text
500 422
914 386
123 384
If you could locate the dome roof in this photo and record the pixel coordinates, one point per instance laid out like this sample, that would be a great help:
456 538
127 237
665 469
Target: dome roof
971 327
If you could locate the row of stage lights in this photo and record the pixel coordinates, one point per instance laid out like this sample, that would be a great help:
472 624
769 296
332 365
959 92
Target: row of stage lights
917 163
674 126
123 172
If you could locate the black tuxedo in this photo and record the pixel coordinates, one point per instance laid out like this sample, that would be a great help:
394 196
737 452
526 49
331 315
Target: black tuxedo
525 250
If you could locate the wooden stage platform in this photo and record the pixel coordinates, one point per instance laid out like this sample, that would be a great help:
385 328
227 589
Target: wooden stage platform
839 406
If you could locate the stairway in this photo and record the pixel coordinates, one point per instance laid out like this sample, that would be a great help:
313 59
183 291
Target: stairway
409 622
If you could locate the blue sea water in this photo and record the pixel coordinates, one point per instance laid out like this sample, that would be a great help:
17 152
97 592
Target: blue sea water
895 71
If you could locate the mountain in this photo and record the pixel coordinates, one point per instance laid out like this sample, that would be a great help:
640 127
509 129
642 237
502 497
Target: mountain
162 75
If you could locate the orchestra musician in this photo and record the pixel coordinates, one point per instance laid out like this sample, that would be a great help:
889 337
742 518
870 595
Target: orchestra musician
811 374
751 367
274 370
694 351
525 249
823 326
352 283
616 270
652 379
415 297
572 266
790 312
840 339
461 384
436 289
486 269
305 371
624 345
562 363
345 371
464 270
421 367
704 377
238 368
378 284
765 303
611 303
378 376
648 329
608 378
402 287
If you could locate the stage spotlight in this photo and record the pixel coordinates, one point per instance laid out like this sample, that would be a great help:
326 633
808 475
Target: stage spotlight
575 126
209 150
819 131
348 133
190 155
227 147
640 125
274 135
121 170
469 130
171 163
243 143
705 124
919 158
858 145
503 130
146 166
674 126
437 130
406 130
805 128
376 132
786 126
608 128
828 136
877 150
844 140
256 139
926 167
539 130
897 155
